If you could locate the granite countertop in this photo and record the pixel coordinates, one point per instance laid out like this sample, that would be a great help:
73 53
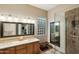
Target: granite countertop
7 44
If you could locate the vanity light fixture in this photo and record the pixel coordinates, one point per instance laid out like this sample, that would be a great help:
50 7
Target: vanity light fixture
9 18
56 23
28 21
2 18
33 21
16 19
24 20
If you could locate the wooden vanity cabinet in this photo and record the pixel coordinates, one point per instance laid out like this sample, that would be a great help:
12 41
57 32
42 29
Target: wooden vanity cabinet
36 48
12 50
31 48
8 51
21 49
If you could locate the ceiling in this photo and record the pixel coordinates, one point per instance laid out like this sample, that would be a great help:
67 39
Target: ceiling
45 6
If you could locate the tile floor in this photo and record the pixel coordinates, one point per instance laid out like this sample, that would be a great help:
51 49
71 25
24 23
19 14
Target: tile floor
51 51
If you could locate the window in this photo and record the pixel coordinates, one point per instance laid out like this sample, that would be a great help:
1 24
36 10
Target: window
41 25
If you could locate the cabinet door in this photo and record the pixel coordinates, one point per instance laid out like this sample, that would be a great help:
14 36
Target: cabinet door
36 47
29 48
20 47
21 51
2 51
6 51
9 50
12 50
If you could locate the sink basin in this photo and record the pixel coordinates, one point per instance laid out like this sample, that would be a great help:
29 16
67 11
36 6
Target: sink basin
21 39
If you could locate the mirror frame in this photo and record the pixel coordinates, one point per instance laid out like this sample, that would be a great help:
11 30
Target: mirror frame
54 32
1 30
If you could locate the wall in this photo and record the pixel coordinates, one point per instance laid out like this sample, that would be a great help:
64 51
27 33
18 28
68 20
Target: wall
23 10
72 46
61 8
60 11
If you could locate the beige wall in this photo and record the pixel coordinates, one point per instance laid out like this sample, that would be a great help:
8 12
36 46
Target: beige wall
61 8
22 10
58 14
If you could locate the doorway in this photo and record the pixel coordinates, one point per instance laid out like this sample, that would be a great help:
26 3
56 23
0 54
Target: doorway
55 33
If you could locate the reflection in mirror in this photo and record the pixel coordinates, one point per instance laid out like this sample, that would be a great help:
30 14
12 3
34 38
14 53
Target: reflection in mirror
25 29
9 29
19 29
55 33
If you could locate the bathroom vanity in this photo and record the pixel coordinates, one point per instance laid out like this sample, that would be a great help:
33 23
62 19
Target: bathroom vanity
21 45
25 46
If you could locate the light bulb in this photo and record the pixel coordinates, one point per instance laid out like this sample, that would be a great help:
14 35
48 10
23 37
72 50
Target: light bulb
2 18
56 23
33 21
24 20
16 19
9 17
29 21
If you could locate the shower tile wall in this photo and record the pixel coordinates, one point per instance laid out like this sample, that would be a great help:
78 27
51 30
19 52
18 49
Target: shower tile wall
72 31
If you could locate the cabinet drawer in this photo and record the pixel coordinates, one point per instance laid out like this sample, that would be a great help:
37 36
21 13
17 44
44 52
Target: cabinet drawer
20 47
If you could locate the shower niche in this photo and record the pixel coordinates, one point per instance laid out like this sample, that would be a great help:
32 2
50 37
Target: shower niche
55 33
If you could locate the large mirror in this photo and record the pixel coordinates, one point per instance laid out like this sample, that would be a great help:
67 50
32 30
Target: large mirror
25 29
9 29
55 33
22 29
